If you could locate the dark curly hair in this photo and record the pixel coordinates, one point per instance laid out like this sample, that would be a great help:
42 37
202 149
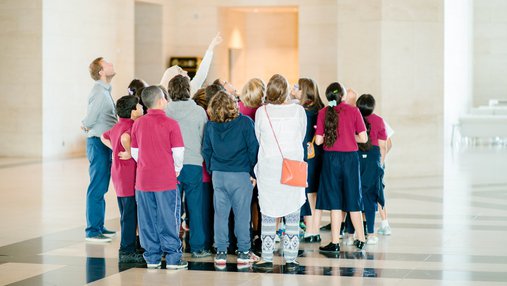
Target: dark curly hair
179 88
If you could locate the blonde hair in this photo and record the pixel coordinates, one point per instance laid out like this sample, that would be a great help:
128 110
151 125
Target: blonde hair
253 93
222 107
277 90
95 68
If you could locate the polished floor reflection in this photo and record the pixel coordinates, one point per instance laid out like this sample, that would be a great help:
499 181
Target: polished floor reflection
447 230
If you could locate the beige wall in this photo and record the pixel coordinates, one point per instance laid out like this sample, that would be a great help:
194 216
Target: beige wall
392 49
412 84
149 55
196 22
260 44
490 50
20 78
76 32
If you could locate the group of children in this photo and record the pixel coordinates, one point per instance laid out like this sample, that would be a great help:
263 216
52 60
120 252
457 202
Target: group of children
177 149
180 150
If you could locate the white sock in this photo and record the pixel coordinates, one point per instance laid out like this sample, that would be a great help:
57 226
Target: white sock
385 223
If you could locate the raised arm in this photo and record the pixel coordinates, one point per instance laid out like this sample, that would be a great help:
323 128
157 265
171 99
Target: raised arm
205 65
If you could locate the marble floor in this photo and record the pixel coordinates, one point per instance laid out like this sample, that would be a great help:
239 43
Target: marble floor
447 230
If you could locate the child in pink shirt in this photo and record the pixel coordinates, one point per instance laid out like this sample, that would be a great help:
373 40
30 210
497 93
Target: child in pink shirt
340 127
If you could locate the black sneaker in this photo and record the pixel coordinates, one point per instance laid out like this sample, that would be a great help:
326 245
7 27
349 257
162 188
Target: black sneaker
312 238
201 254
263 266
326 227
109 233
179 265
359 244
221 258
331 247
292 266
131 257
246 257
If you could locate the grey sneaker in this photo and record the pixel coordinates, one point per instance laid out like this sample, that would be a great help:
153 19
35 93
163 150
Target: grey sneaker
221 258
99 239
246 257
201 254
179 265
131 257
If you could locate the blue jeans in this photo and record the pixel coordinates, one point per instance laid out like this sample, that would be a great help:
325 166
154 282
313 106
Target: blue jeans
159 225
232 190
208 214
128 220
100 173
197 203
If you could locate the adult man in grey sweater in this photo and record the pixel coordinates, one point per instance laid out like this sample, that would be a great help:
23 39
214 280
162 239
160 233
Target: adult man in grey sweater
100 117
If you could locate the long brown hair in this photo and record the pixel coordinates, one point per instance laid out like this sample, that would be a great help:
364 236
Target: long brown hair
310 98
334 93
200 98
277 90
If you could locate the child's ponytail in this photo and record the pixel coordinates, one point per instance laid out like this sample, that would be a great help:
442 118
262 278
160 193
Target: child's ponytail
334 95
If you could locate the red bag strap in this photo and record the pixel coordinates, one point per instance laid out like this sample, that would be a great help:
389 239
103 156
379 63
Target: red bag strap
276 139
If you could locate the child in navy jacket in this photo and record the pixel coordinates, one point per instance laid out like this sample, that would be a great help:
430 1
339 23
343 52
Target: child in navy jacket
230 152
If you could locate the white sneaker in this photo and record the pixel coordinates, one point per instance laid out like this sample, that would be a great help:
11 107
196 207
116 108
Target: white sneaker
154 266
372 239
182 264
386 230
98 239
349 240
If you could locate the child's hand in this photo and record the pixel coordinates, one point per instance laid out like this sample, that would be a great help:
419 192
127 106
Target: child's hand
215 42
124 155
253 181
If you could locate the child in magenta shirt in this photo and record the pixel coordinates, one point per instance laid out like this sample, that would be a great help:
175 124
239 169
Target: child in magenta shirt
123 173
340 126
157 146
371 160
